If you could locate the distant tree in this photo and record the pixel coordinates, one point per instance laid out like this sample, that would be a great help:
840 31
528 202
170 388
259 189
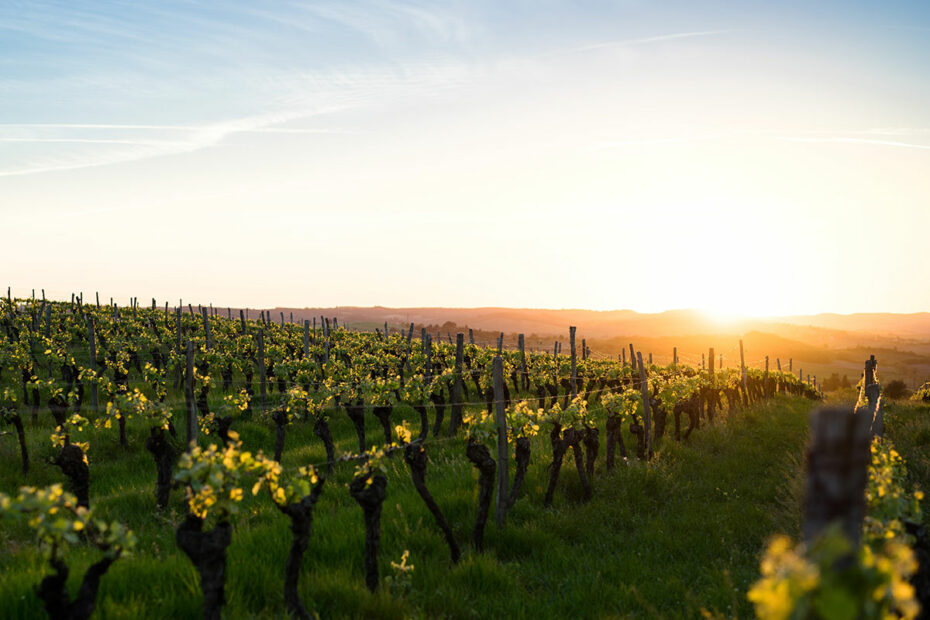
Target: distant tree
896 389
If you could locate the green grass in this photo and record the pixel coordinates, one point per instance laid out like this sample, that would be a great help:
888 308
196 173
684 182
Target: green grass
908 426
667 540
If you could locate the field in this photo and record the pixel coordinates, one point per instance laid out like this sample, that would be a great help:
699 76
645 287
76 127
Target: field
670 539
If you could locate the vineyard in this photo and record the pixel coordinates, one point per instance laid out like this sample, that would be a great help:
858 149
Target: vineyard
162 462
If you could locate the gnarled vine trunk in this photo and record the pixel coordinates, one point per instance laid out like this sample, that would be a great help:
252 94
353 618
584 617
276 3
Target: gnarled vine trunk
54 592
207 550
370 491
321 430
522 458
165 457
301 516
480 457
415 457
70 460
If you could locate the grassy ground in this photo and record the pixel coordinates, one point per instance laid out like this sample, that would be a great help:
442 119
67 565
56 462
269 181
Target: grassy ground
668 540
908 426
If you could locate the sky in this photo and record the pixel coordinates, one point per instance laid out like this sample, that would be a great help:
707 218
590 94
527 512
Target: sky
760 158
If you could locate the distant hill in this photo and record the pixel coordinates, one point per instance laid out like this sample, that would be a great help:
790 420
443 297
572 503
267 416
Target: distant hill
818 344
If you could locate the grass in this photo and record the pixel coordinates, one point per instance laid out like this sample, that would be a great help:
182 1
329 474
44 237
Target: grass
908 426
670 539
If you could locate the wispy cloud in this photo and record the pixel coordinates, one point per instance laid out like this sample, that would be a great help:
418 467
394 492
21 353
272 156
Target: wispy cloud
867 141
643 40
192 138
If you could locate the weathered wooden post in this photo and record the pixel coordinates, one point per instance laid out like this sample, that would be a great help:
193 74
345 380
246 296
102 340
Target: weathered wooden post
456 417
647 414
873 396
428 352
712 402
471 336
189 396
502 458
838 458
571 346
241 322
675 356
92 341
742 364
306 338
261 368
206 328
632 357
524 375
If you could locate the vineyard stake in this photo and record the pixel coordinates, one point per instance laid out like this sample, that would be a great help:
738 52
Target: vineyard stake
189 397
92 341
647 414
571 344
742 364
306 338
837 470
261 366
456 417
501 499
206 328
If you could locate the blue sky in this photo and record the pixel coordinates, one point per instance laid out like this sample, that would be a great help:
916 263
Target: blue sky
261 140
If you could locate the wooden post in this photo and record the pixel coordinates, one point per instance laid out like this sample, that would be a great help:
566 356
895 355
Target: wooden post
306 338
524 375
282 318
647 414
92 341
500 343
456 397
97 293
261 368
241 321
837 469
778 364
177 329
650 359
675 356
584 349
471 336
632 357
206 328
189 396
873 396
571 344
623 356
502 456
428 351
742 364
410 334
790 361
